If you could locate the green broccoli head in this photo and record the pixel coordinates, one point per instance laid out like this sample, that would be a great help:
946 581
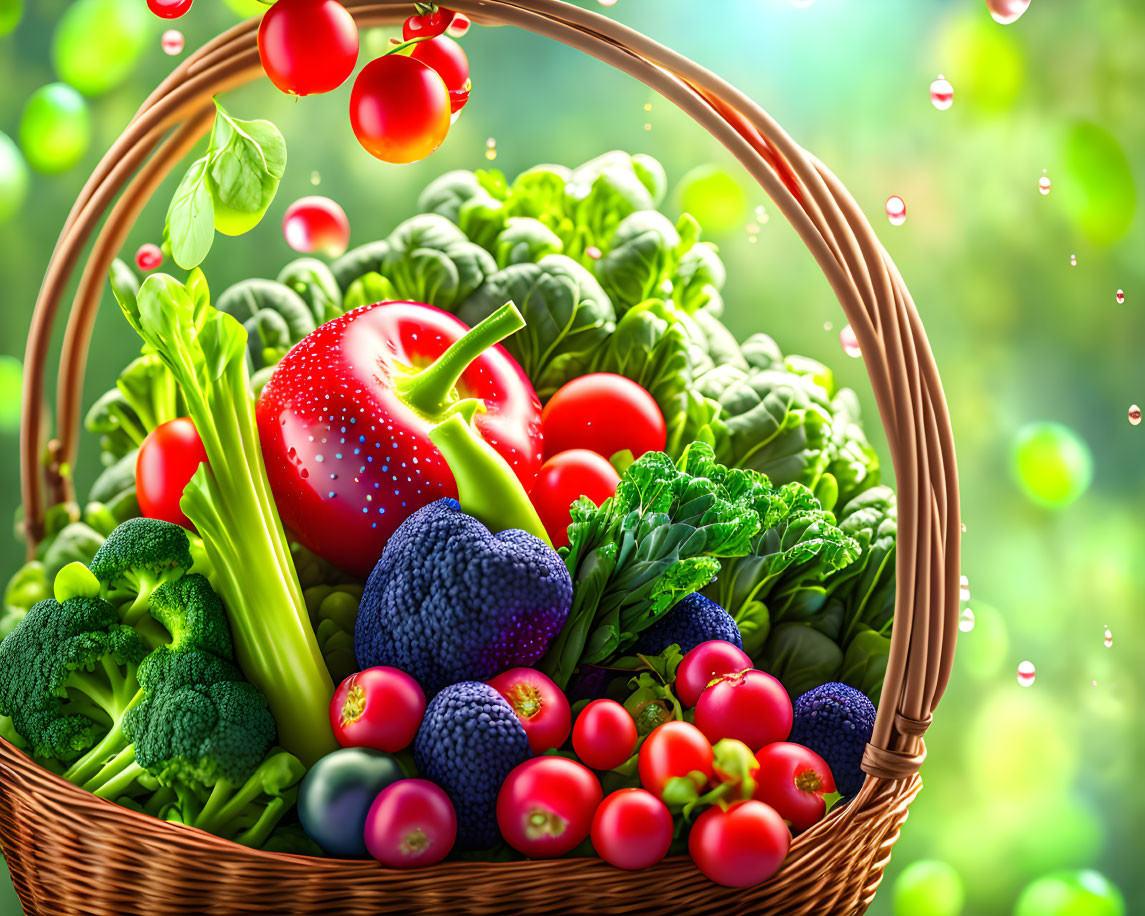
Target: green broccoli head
199 722
192 613
67 674
140 555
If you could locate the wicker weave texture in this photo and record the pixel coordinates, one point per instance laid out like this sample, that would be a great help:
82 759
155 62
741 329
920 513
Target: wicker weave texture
70 852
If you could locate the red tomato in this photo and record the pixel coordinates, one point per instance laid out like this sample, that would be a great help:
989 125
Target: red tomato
793 779
632 829
308 46
169 9
562 480
604 735
704 664
741 846
675 749
429 25
545 806
750 706
606 413
168 459
399 109
379 708
540 705
446 57
411 824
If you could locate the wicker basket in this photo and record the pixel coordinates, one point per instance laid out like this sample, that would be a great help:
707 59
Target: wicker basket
70 852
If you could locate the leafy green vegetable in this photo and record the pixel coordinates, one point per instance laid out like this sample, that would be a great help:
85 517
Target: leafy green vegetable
568 317
274 316
524 240
801 657
357 262
228 189
314 282
230 504
428 259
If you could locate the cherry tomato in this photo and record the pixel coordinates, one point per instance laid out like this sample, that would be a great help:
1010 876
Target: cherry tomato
545 806
540 705
411 824
793 780
168 459
741 846
604 735
606 413
446 57
750 706
632 829
308 46
399 109
169 9
459 26
704 664
562 480
428 26
675 749
379 708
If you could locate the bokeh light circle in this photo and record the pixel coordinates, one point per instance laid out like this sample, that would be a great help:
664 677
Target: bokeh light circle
97 43
714 197
928 888
11 386
1051 463
55 128
13 178
1071 893
11 12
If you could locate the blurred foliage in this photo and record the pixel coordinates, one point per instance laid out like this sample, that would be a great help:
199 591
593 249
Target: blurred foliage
1019 782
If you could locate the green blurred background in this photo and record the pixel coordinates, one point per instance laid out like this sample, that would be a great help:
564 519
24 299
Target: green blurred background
1019 782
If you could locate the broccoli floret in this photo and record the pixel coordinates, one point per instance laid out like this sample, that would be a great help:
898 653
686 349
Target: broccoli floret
691 621
138 557
68 674
468 742
449 601
192 613
836 722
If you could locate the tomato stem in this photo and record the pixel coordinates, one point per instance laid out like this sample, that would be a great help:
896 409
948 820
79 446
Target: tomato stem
397 49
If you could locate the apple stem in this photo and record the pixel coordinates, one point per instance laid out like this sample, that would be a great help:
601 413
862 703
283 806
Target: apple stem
430 391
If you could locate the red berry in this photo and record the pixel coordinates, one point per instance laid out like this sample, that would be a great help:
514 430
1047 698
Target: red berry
445 56
308 46
675 749
604 735
793 780
540 705
632 829
750 706
741 846
169 9
704 664
149 256
545 806
399 109
380 708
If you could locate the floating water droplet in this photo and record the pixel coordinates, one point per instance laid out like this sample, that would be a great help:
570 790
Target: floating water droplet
606 2
827 326
1007 11
896 210
966 620
849 342
593 252
941 93
459 26
1073 260
1044 185
316 178
1026 674
963 589
1108 638
171 42
761 215
490 149
148 257
1093 683
647 126
316 224
647 106
1134 415
1120 297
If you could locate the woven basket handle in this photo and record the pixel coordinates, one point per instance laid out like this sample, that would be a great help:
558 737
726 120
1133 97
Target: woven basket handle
869 288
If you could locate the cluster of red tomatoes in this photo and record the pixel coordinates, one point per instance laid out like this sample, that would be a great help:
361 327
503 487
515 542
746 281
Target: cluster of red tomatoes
402 104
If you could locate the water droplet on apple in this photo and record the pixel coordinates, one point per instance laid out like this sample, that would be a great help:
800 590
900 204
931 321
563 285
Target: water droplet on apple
316 224
896 210
148 257
1134 415
172 42
1026 674
941 93
966 620
849 342
1007 11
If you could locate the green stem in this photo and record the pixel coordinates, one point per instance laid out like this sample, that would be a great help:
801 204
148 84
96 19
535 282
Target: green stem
397 49
430 390
487 488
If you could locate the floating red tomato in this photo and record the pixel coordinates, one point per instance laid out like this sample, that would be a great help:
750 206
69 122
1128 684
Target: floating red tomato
308 46
169 9
448 59
399 109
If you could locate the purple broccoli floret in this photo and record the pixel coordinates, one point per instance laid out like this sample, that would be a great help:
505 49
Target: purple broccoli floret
468 742
449 601
692 620
836 722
